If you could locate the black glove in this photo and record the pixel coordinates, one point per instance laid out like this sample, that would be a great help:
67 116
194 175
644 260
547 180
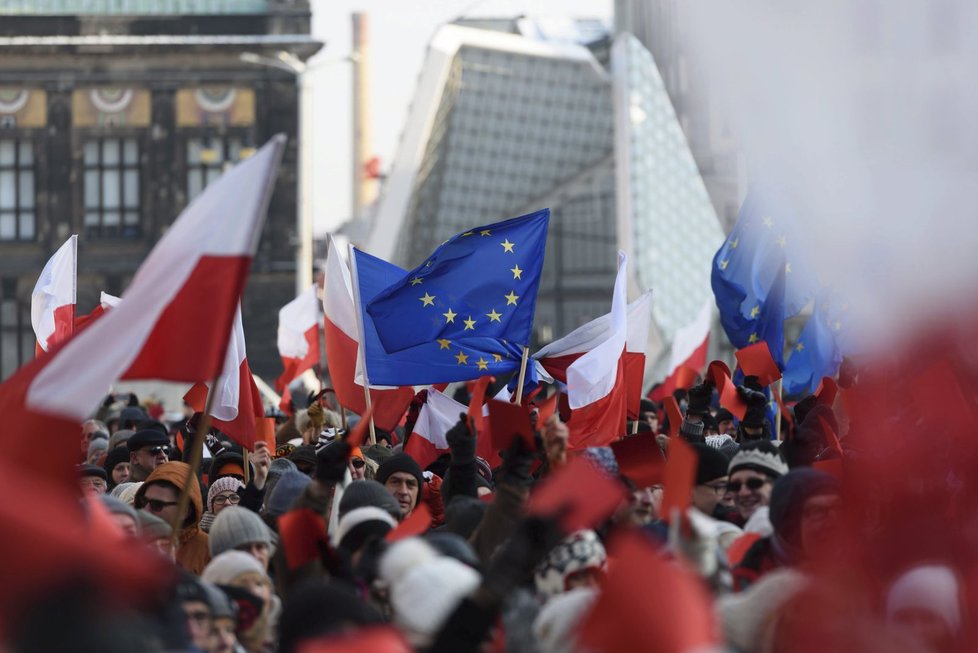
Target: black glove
331 461
133 400
752 397
513 563
517 461
109 400
461 440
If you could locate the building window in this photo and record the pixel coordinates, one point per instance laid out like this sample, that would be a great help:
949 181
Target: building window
16 334
112 188
207 159
16 190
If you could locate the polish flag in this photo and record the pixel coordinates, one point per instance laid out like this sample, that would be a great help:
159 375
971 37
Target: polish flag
53 300
438 414
298 336
688 356
591 360
557 357
237 406
340 329
106 301
174 319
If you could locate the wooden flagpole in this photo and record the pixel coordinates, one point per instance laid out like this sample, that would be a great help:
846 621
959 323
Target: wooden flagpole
196 454
522 376
777 414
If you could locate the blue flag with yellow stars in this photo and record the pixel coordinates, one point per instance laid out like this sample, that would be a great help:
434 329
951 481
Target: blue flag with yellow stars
819 349
479 284
758 278
441 361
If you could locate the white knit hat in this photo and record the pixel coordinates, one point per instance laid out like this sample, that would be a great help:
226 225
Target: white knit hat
223 569
223 484
578 552
424 587
360 523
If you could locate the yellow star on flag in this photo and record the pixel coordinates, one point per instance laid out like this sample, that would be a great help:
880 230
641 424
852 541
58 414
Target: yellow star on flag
787 268
754 312
800 346
837 325
498 358
449 316
427 300
734 243
511 298
485 232
494 316
467 233
724 264
462 358
768 222
782 240
517 273
482 364
753 338
444 343
507 246
415 281
469 324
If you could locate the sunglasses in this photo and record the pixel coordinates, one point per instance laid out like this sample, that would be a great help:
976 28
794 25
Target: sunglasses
155 451
356 462
155 505
751 483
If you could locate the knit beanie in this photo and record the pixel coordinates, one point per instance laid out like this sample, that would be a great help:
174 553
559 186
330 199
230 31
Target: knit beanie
117 507
401 462
604 458
289 486
120 437
153 527
235 526
425 588
96 448
114 457
223 569
760 456
378 453
278 467
578 552
710 465
127 491
362 524
223 484
360 494
304 454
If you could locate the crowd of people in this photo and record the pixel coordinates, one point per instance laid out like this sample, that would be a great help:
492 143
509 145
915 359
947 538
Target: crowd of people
320 545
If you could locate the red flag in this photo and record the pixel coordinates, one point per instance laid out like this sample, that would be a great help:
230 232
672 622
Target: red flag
630 616
680 475
359 432
416 523
508 421
756 360
719 373
340 327
640 459
301 533
298 336
580 493
674 414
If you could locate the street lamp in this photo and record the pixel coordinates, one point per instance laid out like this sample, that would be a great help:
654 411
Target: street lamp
288 62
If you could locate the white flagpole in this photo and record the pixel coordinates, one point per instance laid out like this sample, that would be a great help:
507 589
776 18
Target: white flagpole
357 303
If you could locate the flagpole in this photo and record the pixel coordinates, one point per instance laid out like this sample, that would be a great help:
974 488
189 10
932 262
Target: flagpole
522 377
777 414
196 454
245 466
357 305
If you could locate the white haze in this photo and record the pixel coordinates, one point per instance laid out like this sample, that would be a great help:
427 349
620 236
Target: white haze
866 114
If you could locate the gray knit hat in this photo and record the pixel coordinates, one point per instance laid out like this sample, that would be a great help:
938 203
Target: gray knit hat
118 507
153 527
289 486
236 526
359 494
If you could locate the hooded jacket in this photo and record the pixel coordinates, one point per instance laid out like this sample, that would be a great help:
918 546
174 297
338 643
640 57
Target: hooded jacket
194 552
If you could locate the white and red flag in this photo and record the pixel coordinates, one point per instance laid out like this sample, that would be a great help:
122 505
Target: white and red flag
237 405
438 414
53 300
298 337
688 356
591 360
342 344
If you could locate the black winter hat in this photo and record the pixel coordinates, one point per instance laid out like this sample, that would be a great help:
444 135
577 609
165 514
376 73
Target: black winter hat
724 415
400 462
788 497
91 470
118 455
359 494
147 438
710 465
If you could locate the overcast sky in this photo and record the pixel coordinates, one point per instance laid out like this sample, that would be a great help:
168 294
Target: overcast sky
399 33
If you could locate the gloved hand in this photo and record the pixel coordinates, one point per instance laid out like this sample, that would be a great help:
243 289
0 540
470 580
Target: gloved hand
751 397
461 441
514 561
517 461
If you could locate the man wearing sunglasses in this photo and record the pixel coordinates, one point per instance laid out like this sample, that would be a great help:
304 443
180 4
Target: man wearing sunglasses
148 449
752 472
159 496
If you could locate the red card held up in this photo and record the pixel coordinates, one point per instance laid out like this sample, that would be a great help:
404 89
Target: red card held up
640 459
265 432
756 360
475 404
717 371
300 532
730 400
507 421
674 414
685 377
680 474
375 639
581 494
417 523
359 432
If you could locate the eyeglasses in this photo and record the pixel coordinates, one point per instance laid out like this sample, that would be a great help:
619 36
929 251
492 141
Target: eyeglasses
719 488
356 462
155 505
751 483
221 499
199 616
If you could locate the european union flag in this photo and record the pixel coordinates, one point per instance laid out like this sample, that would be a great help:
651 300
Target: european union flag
441 361
758 279
818 351
481 284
